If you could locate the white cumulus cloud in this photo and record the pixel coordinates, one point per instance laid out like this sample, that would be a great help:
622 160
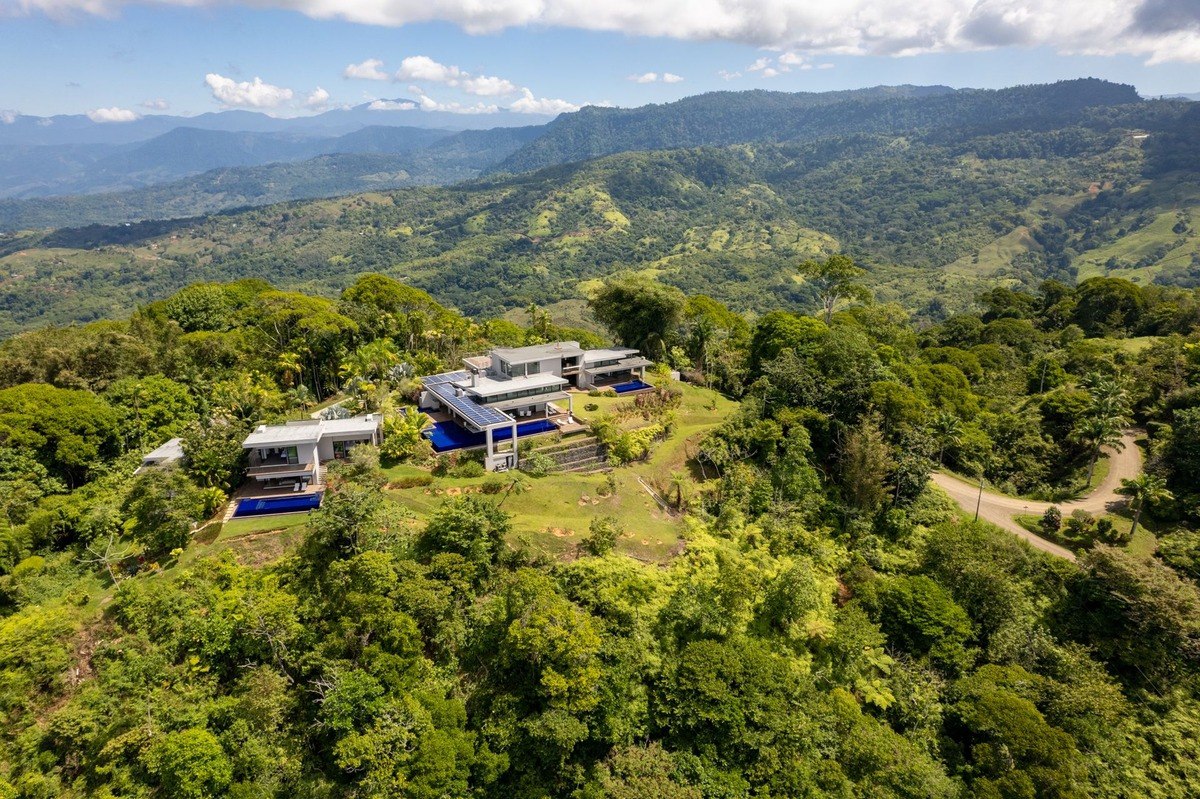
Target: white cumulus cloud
113 114
156 104
8 117
528 104
246 94
1158 30
429 104
367 70
424 68
317 100
655 77
488 86
391 105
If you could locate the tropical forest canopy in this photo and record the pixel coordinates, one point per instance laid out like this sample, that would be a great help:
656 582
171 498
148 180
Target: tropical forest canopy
824 623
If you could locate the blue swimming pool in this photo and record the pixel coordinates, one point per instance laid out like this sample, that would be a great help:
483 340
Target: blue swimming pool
448 436
290 504
633 385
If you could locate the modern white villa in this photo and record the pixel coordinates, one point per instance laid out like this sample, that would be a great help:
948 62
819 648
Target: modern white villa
290 455
170 452
510 392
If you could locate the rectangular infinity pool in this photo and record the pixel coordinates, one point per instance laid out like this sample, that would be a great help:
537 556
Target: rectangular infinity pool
252 506
633 385
448 436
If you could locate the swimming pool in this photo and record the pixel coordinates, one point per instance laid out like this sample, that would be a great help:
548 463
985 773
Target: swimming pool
633 385
261 506
448 436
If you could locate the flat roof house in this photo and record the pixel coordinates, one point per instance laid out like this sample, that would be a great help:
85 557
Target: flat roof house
170 452
497 390
292 453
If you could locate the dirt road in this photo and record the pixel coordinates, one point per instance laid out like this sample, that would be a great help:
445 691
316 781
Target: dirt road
999 509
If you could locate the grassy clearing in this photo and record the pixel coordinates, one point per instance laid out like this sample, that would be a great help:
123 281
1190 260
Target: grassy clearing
1143 544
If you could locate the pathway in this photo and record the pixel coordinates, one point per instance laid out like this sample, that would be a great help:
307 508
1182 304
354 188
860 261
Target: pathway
999 509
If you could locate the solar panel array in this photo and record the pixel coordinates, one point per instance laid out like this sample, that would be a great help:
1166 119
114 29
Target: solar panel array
445 377
479 415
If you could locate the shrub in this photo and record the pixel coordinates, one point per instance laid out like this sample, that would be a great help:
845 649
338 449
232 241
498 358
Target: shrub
1080 526
603 533
537 464
591 406
469 469
1051 521
445 464
493 485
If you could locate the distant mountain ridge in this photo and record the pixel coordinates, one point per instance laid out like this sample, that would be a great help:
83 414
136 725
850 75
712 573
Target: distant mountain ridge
27 172
722 118
80 129
419 156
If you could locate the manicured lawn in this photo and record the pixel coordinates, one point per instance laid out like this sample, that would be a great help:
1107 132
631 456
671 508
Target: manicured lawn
257 524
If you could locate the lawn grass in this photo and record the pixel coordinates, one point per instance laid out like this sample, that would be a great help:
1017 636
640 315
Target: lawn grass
1143 544
257 524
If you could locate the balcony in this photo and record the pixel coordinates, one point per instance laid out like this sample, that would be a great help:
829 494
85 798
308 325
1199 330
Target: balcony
265 470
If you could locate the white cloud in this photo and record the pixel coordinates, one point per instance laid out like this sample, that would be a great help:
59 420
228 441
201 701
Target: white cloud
725 74
429 104
790 59
8 117
391 105
157 104
1159 30
655 77
317 100
367 70
246 94
421 67
113 114
528 104
488 86
825 66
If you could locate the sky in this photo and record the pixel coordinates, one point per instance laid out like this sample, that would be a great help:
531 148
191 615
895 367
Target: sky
116 60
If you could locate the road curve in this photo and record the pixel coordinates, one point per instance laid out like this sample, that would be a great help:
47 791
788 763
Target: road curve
999 509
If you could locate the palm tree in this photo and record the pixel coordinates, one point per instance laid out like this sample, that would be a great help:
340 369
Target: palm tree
1145 489
1109 397
300 397
947 429
291 365
1098 432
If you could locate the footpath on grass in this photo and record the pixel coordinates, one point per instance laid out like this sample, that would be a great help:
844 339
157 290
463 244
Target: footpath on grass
999 509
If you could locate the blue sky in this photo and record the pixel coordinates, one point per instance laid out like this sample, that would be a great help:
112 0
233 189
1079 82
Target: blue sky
60 60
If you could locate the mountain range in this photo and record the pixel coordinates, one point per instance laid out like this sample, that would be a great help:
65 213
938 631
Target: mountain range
939 196
191 170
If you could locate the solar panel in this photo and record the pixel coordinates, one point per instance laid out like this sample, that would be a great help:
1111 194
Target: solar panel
479 415
445 377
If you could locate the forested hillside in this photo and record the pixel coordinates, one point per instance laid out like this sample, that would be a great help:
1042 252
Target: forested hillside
761 116
761 594
935 219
